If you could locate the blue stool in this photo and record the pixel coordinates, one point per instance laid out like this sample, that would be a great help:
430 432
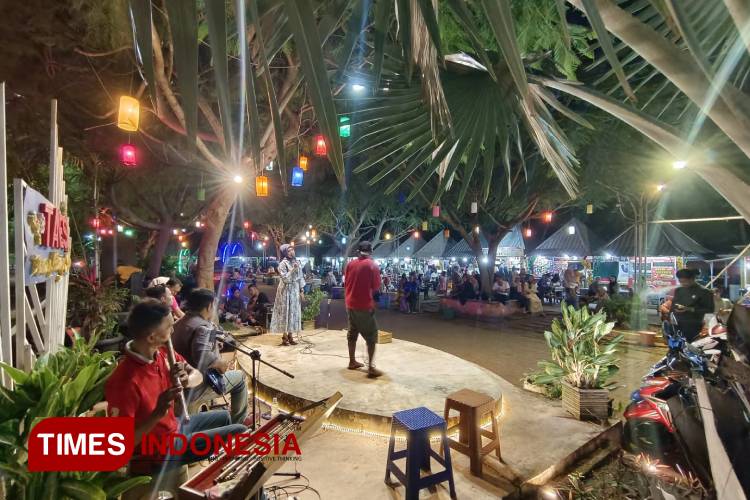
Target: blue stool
417 423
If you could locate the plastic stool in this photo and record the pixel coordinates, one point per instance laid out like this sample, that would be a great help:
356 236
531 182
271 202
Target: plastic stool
472 406
417 424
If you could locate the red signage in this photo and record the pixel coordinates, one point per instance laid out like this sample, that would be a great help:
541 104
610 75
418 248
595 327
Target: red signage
56 229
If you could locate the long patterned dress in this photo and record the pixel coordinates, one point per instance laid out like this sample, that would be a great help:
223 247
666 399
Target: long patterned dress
287 309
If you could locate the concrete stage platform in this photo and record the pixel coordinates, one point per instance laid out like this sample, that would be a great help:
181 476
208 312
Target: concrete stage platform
415 375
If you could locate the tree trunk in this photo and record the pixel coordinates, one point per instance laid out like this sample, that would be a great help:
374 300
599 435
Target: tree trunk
215 218
740 12
160 248
679 67
147 246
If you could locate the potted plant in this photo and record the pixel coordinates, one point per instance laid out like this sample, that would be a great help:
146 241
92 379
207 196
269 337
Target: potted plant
312 309
583 360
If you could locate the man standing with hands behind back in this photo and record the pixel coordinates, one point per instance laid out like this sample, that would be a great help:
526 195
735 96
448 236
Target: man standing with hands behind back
362 280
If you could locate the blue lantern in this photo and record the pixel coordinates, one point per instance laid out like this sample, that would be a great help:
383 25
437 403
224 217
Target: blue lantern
298 176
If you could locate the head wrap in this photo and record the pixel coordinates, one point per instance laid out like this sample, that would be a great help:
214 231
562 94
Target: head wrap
284 249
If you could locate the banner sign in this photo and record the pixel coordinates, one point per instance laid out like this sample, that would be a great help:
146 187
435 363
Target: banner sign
47 238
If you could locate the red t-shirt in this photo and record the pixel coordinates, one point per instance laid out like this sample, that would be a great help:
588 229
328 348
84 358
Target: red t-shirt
132 391
361 279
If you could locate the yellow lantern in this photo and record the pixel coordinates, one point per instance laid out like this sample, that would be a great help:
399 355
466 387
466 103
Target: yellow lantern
303 163
261 186
127 118
425 226
589 209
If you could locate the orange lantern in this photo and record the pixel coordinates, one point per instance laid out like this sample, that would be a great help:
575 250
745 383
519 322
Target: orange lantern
261 186
547 216
446 233
320 145
303 163
129 113
528 232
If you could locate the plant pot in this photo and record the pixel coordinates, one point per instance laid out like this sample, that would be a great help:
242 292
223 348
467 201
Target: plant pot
308 325
585 404
646 338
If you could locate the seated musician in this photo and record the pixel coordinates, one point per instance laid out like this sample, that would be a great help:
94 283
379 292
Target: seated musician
142 386
195 339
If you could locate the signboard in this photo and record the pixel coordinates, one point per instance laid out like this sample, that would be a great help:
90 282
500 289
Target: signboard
47 238
662 272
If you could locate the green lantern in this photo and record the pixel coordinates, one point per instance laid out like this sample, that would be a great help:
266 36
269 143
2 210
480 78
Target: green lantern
345 128
201 194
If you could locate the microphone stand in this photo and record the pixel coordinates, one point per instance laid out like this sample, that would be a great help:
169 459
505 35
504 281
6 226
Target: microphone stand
256 359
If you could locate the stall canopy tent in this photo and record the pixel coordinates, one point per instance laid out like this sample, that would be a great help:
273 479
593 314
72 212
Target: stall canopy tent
407 248
664 240
385 249
512 245
579 241
435 248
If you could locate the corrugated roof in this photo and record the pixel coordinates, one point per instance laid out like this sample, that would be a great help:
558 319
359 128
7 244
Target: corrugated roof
435 248
582 242
664 240
510 242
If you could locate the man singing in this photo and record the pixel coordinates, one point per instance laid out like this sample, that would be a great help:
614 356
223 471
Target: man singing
361 281
142 386
195 339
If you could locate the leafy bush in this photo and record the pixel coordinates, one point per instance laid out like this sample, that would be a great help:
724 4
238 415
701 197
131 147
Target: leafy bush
312 307
619 309
581 354
64 384
93 306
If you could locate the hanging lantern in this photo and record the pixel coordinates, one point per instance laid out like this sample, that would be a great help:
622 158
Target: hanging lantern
436 211
320 146
261 186
446 233
527 232
589 209
201 194
246 224
425 226
128 115
298 177
474 207
345 128
547 217
303 162
127 155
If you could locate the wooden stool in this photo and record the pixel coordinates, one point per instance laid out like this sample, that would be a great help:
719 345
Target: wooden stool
472 406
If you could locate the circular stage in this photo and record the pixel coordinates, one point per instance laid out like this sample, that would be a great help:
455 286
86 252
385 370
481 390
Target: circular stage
415 375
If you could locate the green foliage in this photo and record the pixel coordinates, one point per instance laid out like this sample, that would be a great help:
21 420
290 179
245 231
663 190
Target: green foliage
93 306
619 309
581 354
63 384
312 309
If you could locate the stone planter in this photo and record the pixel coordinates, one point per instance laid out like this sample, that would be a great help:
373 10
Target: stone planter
585 404
646 338
308 325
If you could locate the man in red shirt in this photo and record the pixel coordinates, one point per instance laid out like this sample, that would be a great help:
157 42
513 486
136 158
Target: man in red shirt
361 281
142 386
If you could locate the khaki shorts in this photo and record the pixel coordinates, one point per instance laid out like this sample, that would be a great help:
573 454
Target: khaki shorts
362 323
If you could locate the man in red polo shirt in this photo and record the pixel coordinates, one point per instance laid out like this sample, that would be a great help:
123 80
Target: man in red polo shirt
361 282
142 387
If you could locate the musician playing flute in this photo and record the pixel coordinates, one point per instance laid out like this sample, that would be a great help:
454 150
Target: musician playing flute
145 387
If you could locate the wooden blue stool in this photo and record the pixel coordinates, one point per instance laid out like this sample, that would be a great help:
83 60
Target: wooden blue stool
417 424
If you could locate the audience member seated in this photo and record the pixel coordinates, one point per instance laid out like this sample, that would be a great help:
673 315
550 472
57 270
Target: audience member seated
500 290
233 308
256 308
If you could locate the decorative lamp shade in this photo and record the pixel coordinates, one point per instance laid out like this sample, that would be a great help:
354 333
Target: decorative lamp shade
261 186
446 233
436 211
129 113
345 128
303 162
425 226
201 194
298 177
246 224
128 155
528 232
547 216
474 207
589 209
320 146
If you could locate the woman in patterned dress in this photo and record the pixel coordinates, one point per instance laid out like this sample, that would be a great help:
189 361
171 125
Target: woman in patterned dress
287 308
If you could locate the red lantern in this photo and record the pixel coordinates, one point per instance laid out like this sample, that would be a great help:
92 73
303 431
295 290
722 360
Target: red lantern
246 224
127 155
436 211
95 222
320 146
